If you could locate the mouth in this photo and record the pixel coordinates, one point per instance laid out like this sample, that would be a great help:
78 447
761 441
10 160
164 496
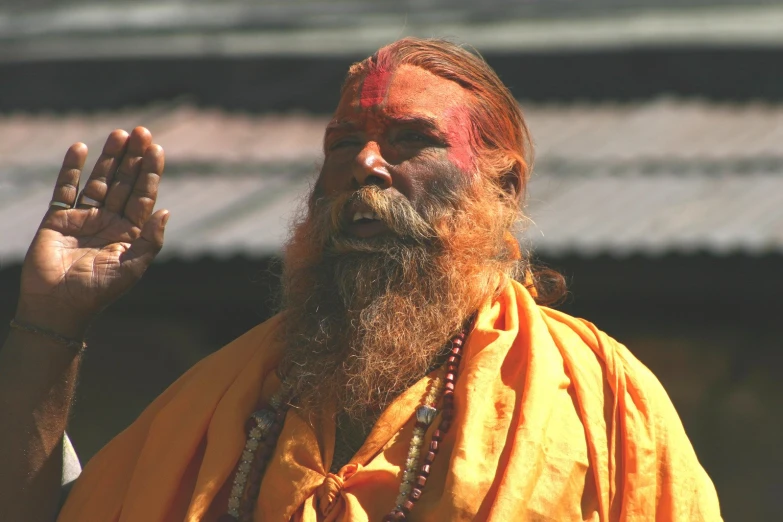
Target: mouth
365 217
363 222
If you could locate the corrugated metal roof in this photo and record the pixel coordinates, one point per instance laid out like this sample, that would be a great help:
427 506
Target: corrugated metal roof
656 215
649 178
664 130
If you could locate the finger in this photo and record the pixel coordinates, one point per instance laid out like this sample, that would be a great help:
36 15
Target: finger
145 190
103 171
127 172
145 247
67 185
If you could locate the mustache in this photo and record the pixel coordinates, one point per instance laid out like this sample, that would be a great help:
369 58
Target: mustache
334 213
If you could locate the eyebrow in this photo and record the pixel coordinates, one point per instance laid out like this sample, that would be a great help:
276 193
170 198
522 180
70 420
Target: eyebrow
420 121
338 125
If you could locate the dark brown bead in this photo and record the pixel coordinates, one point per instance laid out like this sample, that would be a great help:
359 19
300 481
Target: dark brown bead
421 481
436 435
448 414
407 506
425 471
389 518
434 446
448 400
415 494
430 458
399 516
452 360
458 341
450 377
449 386
456 351
444 425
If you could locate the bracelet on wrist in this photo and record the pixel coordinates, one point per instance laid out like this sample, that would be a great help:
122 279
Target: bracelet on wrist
74 345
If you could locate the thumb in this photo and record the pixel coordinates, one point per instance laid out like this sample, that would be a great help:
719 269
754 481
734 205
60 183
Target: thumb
152 232
145 247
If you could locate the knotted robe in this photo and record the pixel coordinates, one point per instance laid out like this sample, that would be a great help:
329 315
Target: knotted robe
554 420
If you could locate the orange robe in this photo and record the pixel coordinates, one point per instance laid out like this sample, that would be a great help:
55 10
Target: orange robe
554 421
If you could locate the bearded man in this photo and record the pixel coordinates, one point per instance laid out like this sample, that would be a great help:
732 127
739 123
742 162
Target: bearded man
412 374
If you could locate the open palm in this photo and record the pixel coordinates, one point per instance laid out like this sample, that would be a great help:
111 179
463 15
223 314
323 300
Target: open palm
83 258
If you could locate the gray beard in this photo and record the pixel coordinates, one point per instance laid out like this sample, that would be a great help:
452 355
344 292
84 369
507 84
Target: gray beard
372 325
365 318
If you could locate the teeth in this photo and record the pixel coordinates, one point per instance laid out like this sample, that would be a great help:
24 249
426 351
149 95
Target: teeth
365 215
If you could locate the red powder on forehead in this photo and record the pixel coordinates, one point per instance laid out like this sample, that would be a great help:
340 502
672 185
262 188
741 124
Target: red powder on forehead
374 87
376 83
462 139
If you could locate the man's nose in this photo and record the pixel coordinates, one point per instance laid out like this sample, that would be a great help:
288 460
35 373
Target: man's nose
371 168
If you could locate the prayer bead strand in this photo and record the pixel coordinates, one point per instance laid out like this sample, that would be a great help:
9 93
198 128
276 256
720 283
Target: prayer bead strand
425 414
414 491
262 432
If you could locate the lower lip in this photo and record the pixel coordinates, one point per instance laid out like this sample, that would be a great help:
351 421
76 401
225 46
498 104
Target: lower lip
370 229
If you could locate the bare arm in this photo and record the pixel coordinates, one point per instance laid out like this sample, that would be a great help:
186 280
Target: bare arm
80 261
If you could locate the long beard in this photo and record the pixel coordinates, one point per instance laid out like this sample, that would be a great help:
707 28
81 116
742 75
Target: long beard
366 318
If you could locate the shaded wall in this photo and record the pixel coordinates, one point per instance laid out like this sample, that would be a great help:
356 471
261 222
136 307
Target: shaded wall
312 83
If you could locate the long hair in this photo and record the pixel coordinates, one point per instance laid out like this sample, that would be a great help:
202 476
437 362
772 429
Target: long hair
504 149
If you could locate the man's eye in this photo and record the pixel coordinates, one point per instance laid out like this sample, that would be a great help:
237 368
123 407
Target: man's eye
414 137
345 143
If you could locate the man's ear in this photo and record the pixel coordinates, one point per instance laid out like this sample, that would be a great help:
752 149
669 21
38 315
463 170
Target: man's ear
513 185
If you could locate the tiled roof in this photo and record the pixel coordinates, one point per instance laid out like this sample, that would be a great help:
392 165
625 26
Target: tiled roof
647 178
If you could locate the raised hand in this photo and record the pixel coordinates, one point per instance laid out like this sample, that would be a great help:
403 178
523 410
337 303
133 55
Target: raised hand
84 258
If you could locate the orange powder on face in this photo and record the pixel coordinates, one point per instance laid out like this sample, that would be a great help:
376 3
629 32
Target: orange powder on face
410 91
415 91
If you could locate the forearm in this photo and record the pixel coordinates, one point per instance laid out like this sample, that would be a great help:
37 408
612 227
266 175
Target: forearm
37 381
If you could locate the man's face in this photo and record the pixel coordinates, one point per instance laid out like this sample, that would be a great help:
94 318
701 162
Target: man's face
407 131
369 303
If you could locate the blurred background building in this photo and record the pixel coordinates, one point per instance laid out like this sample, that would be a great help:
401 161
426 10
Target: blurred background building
658 185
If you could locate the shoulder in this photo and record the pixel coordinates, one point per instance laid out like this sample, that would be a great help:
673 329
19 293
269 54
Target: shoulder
214 397
624 406
591 350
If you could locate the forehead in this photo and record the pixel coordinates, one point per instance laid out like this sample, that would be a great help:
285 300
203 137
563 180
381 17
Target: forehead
406 90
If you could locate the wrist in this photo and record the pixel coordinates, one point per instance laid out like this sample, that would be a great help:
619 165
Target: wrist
58 320
74 345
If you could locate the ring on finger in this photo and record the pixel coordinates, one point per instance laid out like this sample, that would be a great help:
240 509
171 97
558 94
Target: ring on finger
59 204
88 201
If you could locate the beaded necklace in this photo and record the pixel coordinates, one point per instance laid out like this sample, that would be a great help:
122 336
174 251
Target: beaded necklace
264 428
